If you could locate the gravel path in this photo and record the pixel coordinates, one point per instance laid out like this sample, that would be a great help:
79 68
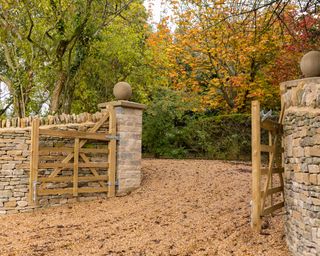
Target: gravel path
184 207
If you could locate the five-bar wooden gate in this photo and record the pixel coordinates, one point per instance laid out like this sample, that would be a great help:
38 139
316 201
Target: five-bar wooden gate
263 180
101 172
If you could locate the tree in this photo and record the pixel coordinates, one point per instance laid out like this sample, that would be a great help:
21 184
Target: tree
118 54
304 36
229 52
221 58
45 43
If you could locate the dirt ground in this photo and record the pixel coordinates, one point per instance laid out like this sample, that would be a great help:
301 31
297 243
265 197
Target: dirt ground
184 207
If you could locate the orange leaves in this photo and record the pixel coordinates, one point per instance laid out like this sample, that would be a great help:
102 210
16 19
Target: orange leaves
226 60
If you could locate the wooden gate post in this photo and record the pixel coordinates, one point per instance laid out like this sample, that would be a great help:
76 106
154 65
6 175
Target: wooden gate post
112 146
34 160
256 168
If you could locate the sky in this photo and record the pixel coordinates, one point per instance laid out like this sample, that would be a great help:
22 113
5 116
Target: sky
155 6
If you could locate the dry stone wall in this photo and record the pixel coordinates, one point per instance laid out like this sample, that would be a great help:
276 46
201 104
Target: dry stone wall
302 161
14 179
15 145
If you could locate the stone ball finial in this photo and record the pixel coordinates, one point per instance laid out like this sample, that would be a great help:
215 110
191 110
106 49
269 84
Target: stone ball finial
310 64
122 91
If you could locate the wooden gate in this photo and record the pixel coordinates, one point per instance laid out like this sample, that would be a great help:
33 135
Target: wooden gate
47 163
264 183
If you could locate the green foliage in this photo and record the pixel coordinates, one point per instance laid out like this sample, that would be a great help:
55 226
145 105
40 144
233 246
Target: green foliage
118 54
85 98
69 54
171 130
219 137
164 120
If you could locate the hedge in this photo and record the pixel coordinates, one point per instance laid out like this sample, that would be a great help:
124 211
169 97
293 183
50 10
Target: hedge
212 137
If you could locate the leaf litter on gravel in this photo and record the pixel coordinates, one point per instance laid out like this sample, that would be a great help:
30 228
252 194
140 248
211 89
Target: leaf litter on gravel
184 207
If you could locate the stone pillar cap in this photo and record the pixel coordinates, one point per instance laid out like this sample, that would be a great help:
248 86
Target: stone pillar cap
123 103
310 64
294 83
122 91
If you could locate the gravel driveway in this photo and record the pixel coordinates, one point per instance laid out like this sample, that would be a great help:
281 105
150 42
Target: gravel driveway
184 207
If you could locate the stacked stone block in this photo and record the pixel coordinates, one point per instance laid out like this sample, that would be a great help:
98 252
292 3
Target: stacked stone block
302 161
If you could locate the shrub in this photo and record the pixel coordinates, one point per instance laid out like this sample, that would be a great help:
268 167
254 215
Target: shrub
219 137
171 130
164 122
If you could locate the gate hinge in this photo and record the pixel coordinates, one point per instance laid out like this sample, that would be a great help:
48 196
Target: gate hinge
110 183
266 115
112 137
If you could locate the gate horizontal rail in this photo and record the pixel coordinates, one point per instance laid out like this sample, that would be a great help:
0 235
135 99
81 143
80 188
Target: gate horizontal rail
46 150
75 134
71 165
80 159
70 179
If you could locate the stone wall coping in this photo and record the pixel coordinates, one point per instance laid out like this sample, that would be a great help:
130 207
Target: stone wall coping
12 129
123 103
293 83
47 126
304 110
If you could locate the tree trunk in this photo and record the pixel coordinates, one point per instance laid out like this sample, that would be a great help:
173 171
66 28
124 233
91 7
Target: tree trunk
15 95
67 97
55 98
226 97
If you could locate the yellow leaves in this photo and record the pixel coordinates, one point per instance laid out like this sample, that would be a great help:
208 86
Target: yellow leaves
215 82
172 75
219 2
255 94
238 81
225 62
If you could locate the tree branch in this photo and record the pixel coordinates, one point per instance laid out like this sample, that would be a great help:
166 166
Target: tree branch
8 57
63 44
3 110
117 12
8 82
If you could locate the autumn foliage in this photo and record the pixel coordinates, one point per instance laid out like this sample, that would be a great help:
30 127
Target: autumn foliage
226 56
65 56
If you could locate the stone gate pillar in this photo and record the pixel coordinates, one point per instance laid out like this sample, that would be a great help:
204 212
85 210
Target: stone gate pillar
129 133
302 162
